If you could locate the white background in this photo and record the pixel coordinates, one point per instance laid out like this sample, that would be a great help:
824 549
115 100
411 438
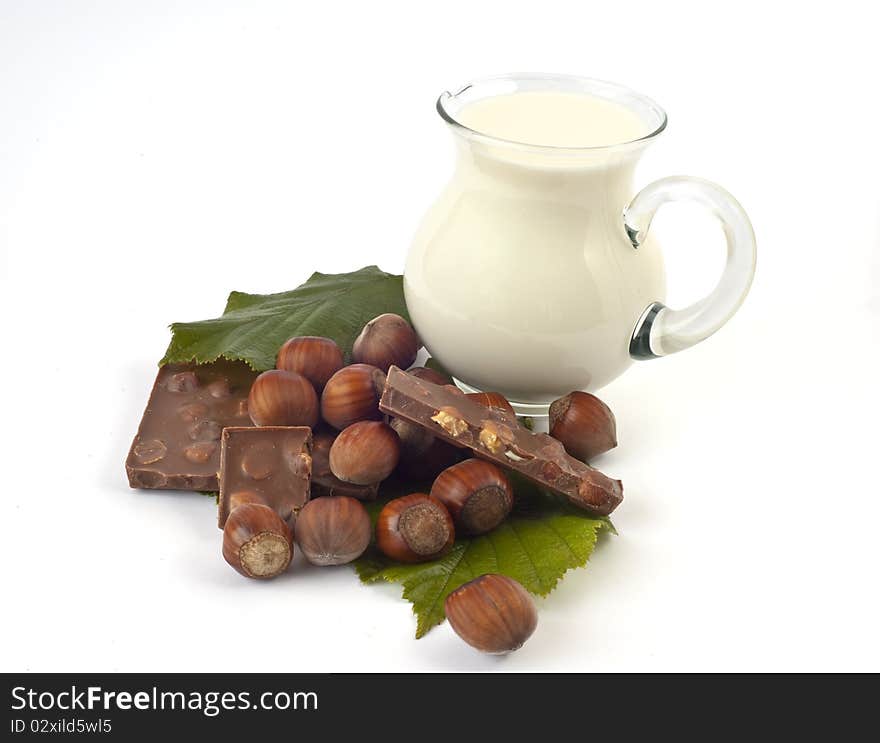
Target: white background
154 156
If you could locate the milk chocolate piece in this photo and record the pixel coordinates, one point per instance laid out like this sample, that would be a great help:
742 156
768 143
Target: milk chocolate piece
177 445
324 482
496 435
271 465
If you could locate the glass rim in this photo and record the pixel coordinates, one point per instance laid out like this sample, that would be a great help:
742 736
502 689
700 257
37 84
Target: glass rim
489 87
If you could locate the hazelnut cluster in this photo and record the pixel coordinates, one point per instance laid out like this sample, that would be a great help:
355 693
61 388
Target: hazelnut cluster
312 386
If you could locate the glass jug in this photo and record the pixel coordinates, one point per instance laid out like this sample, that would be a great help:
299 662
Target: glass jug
535 273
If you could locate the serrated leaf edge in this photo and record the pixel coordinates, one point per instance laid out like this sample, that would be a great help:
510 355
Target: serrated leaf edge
422 628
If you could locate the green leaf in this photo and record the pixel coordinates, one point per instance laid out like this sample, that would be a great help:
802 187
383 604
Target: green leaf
537 545
254 326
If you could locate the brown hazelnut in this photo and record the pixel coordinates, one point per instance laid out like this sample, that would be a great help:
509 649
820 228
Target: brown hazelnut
476 493
365 453
584 424
414 528
385 341
352 395
256 542
282 398
492 613
430 375
492 400
324 482
333 530
317 359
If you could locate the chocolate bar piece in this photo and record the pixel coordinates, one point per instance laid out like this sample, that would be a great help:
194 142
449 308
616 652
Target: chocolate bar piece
324 482
271 465
496 435
177 445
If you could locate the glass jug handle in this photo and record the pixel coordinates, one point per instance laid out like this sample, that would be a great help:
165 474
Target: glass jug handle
660 330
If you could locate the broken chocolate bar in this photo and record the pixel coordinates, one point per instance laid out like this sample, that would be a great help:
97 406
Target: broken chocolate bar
324 482
177 445
495 434
271 465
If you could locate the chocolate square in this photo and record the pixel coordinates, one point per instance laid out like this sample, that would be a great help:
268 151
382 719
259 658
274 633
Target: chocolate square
270 465
177 445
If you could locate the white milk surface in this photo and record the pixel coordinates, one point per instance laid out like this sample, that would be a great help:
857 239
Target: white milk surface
554 119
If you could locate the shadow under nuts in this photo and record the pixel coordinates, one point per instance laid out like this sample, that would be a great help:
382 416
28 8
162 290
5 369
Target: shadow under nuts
333 531
584 424
386 341
282 398
365 453
414 528
256 542
352 395
492 613
316 358
476 493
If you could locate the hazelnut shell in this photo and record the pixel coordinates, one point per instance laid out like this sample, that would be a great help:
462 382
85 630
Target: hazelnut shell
476 493
414 528
492 613
333 530
351 395
316 358
365 453
584 424
256 541
282 398
387 340
492 400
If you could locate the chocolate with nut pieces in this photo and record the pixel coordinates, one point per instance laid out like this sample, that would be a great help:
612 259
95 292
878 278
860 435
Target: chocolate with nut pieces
269 465
177 445
495 434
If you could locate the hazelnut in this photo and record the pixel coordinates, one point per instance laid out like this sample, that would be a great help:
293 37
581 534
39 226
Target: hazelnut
414 528
256 542
352 395
282 398
385 341
492 613
492 400
584 424
476 493
324 482
450 420
365 453
430 375
317 359
333 530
